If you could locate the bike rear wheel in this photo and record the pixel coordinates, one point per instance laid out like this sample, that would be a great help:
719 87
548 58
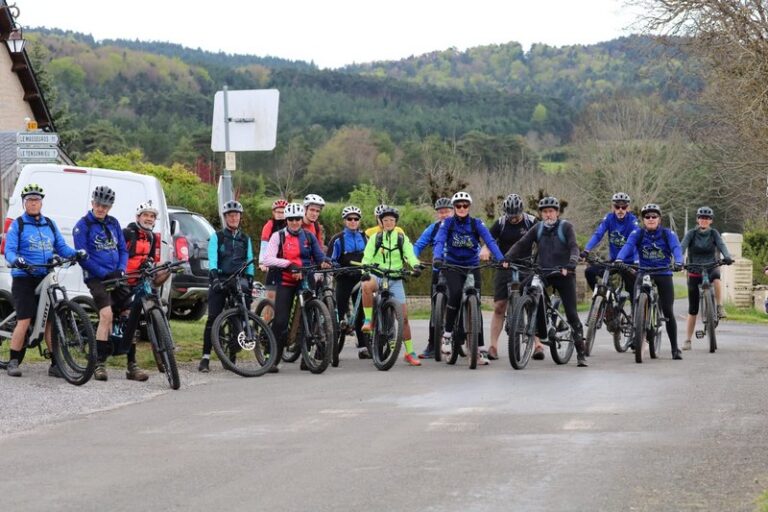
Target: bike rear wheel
6 308
654 333
641 325
292 349
330 304
594 319
522 332
73 342
711 319
160 336
622 333
317 344
438 324
248 354
472 327
387 334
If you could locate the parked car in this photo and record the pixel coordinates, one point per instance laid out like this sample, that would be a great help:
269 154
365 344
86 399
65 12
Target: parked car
189 290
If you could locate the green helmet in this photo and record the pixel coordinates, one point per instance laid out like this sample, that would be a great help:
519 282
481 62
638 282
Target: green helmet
33 189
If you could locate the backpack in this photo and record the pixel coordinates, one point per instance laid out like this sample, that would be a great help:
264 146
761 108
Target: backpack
380 241
560 231
340 238
528 221
302 240
20 227
433 234
132 247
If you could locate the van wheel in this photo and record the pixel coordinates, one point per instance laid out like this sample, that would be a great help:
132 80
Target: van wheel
191 313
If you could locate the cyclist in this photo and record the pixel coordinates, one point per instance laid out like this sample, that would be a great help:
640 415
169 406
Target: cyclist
99 234
377 228
556 247
34 245
657 246
507 230
290 248
390 250
228 249
443 210
346 247
313 206
618 224
273 225
702 244
458 243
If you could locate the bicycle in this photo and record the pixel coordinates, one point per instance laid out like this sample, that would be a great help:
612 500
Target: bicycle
708 308
73 343
327 294
525 319
610 305
146 303
352 323
469 322
647 317
437 314
514 290
242 340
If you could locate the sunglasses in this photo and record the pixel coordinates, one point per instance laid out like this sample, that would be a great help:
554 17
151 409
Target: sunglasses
705 217
461 206
353 219
620 206
650 216
294 219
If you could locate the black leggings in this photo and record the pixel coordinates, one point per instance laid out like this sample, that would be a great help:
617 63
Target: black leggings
666 289
284 298
454 280
593 273
566 289
216 301
693 290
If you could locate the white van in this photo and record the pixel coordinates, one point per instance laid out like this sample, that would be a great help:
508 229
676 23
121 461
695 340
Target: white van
68 197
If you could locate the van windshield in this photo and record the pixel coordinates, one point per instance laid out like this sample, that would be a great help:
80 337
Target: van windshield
194 226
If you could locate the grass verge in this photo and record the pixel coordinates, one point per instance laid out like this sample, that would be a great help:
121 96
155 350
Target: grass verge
745 315
762 502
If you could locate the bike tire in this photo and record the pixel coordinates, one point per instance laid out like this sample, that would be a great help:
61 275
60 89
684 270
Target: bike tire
622 334
265 310
73 342
165 350
317 345
438 324
6 308
292 349
562 348
522 332
330 304
654 334
89 306
711 319
472 327
596 312
387 334
245 357
641 321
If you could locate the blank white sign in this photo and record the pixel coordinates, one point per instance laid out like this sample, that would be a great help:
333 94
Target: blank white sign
252 120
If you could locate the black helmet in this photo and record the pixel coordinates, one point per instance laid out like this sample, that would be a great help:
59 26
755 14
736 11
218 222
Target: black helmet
232 206
33 189
549 202
705 211
103 195
651 207
513 205
389 211
443 202
621 197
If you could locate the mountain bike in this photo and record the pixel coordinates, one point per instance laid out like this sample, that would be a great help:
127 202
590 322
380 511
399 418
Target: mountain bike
534 302
327 293
73 343
242 340
647 314
437 314
352 323
610 305
708 304
145 303
514 290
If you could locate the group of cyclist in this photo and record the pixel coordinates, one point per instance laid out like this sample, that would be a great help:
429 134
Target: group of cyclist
294 238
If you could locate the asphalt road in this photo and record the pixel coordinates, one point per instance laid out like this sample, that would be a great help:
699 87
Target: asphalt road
664 435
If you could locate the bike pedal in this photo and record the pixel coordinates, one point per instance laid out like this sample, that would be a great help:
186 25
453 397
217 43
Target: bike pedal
699 334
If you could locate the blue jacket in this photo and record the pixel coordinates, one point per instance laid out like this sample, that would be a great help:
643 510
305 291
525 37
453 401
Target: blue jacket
655 249
618 232
239 251
105 244
427 238
354 242
38 243
463 248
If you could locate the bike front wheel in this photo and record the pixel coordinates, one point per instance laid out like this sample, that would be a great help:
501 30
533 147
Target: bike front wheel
622 332
387 335
317 344
595 317
711 319
472 327
641 325
73 343
561 348
437 322
522 332
164 351
245 345
6 309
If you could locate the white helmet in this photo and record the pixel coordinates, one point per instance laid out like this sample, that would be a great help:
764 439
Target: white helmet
313 199
294 210
147 207
377 211
351 210
461 196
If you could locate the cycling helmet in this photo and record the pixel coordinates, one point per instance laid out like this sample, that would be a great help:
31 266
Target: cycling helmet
350 210
443 202
103 195
549 202
461 196
313 199
621 197
294 210
513 205
389 211
377 211
33 189
651 207
279 203
232 206
705 211
146 207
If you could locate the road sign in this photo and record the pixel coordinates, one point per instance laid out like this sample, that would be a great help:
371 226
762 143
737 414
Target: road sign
43 139
251 119
37 153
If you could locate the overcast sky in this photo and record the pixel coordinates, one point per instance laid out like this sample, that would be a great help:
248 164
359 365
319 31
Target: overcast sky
333 33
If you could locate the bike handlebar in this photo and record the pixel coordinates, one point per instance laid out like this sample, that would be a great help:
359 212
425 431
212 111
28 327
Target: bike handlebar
703 267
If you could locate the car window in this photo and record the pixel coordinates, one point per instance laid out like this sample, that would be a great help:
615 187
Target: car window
193 226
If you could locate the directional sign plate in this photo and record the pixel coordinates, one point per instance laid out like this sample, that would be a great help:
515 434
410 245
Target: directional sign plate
37 138
37 153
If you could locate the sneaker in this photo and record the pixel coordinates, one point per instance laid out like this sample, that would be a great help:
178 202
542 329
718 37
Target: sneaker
482 359
54 371
203 366
303 365
274 369
135 373
538 353
412 360
366 327
100 373
493 353
13 368
677 355
429 353
446 345
581 361
687 345
721 311
363 354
